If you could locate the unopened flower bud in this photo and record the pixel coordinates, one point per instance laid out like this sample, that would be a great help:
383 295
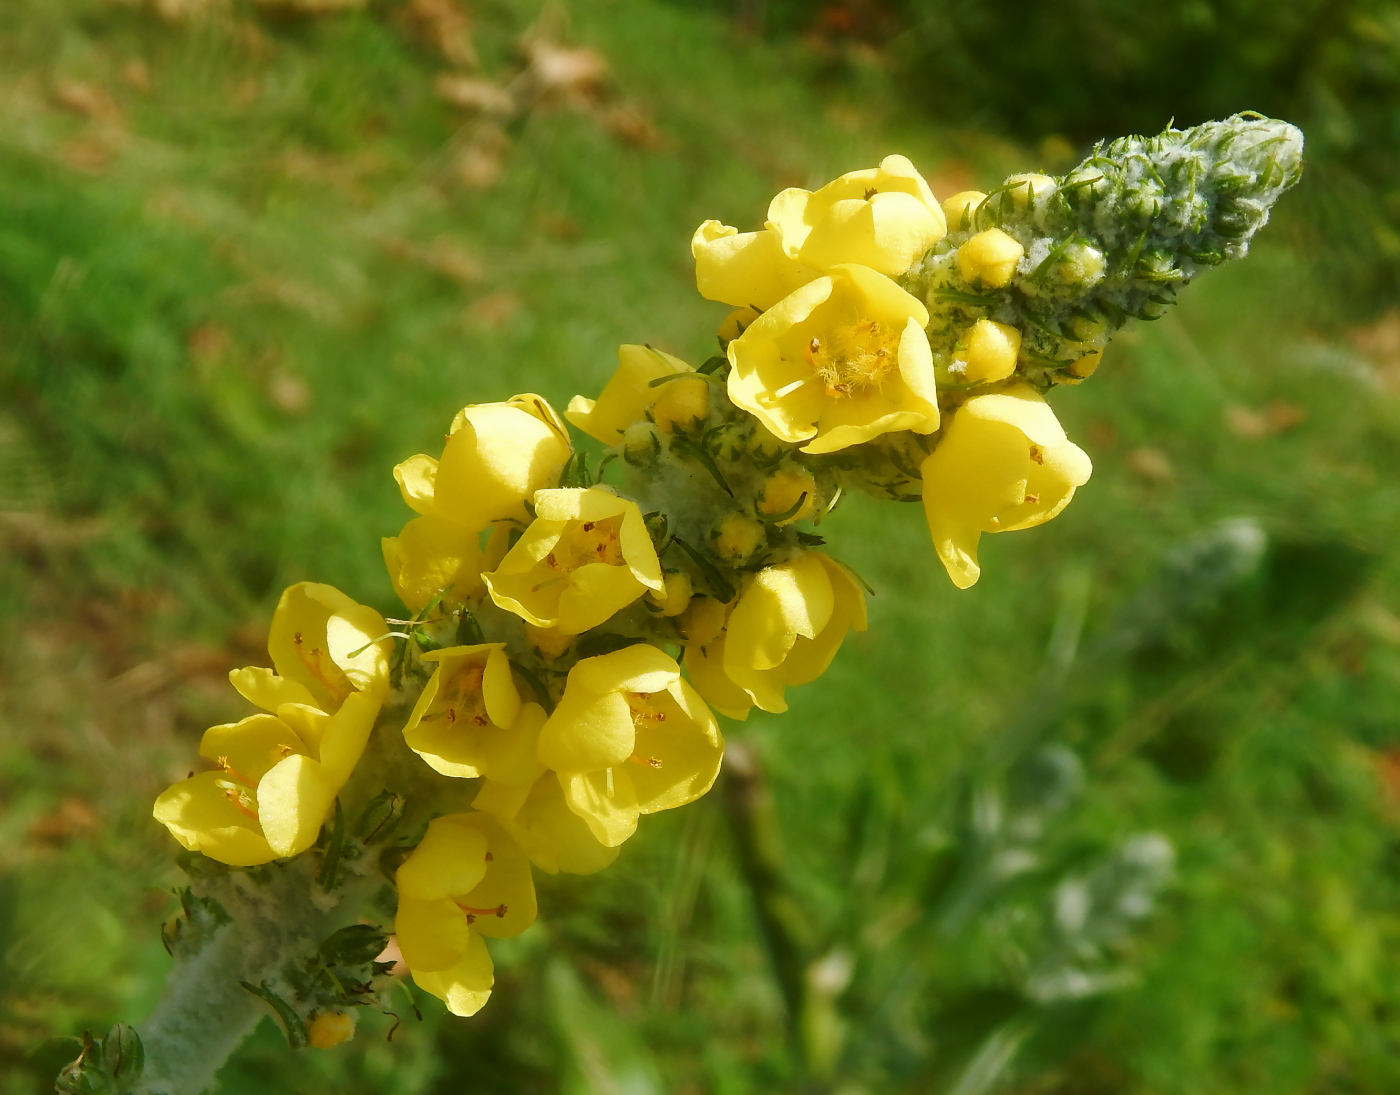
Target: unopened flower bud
1081 265
1028 189
549 641
330 1029
678 593
989 353
738 537
791 492
989 258
961 209
1082 369
703 620
681 402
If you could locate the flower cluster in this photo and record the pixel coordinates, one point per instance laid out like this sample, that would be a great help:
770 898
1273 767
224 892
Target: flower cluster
576 616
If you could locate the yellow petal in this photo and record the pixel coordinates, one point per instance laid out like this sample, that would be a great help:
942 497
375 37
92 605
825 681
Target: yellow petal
991 352
416 477
889 233
450 860
429 556
465 987
587 731
498 458
203 819
293 801
266 689
686 748
309 723
747 269
346 735
706 667
595 593
552 835
778 604
627 394
251 747
432 935
357 638
502 904
605 800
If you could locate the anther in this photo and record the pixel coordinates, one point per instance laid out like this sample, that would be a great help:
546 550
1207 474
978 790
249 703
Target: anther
1037 454
234 797
870 193
645 762
224 764
1032 499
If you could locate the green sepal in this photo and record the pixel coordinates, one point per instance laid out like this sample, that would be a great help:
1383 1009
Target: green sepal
353 945
292 1023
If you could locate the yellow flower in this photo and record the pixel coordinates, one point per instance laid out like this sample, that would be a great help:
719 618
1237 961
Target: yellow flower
431 555
629 395
838 362
586 555
629 737
1003 464
745 269
329 1029
497 455
961 208
785 629
538 817
277 779
324 647
885 218
467 879
469 720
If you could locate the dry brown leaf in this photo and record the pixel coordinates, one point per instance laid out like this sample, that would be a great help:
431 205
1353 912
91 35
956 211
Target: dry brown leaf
494 310
569 73
628 124
1151 464
1276 417
446 28
89 100
469 93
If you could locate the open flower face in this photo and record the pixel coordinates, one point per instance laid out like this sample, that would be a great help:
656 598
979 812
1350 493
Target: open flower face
469 720
1003 464
840 361
466 879
885 218
788 624
276 779
586 555
629 737
324 648
496 457
630 394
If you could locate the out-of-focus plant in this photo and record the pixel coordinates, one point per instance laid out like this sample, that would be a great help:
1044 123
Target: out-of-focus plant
571 622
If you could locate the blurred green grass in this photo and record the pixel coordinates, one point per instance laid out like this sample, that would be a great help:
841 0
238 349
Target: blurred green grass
249 261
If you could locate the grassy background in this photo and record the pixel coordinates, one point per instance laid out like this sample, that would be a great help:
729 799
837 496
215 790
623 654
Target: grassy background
249 259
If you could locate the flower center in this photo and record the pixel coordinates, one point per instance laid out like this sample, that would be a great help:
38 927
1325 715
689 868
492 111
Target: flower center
459 699
584 542
855 358
320 666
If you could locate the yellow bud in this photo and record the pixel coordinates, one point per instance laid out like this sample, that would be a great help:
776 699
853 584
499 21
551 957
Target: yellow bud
639 441
331 1028
703 620
1024 188
678 593
1081 265
990 258
735 323
962 205
680 403
549 641
738 537
990 353
1082 368
784 489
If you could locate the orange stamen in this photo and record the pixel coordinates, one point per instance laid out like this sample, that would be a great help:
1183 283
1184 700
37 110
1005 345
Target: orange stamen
235 797
645 762
472 914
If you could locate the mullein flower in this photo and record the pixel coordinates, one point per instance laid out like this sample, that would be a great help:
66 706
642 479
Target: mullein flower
275 782
469 720
785 628
430 556
629 396
838 362
538 817
1003 464
496 456
278 773
885 218
465 880
586 555
629 737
